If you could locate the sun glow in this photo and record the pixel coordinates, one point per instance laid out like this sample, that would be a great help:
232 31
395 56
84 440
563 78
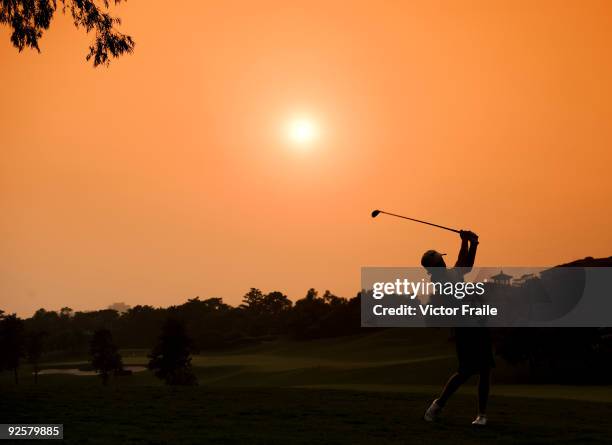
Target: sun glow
302 131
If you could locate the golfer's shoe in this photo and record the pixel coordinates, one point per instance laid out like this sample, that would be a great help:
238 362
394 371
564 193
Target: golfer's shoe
433 412
480 420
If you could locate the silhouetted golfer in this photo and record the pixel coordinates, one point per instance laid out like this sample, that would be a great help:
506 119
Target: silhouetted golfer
474 349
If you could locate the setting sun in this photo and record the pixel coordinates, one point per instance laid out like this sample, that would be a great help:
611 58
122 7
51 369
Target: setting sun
302 131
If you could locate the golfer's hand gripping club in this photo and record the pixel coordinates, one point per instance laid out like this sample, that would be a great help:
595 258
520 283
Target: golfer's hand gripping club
468 236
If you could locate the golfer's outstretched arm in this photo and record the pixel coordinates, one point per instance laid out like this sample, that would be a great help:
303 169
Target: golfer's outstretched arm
463 253
467 253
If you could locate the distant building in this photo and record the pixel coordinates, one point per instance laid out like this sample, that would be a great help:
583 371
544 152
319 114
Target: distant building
501 279
119 307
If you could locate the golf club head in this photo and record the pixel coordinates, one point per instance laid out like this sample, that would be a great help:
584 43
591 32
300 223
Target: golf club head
375 213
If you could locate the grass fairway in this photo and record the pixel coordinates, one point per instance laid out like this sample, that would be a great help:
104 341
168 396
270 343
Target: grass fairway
128 413
367 389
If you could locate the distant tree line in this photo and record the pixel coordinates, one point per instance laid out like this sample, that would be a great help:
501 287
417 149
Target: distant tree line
554 355
211 323
198 324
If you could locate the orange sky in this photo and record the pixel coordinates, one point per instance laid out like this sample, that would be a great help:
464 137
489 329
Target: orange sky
167 176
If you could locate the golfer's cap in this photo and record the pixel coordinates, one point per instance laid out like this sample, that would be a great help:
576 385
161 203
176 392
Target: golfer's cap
430 257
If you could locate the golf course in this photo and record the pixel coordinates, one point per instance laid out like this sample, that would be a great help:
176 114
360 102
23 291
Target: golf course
358 389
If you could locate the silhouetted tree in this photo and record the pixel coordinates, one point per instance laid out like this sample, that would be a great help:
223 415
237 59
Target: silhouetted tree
11 344
210 322
105 357
66 312
253 299
332 299
170 359
34 350
29 18
307 315
275 303
139 327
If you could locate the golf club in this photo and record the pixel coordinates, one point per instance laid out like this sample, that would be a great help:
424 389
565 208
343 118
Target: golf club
375 213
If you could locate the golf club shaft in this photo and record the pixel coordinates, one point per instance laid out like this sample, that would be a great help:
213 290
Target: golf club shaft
419 221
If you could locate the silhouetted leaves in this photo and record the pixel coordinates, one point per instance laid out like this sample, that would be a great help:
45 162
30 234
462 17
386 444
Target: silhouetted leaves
28 19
